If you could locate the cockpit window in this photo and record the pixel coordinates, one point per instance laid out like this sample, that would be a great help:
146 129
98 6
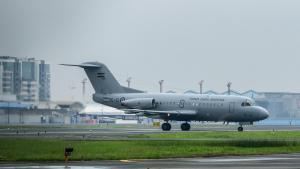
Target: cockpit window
246 104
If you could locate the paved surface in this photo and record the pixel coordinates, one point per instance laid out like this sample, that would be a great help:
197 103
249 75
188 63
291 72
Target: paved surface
119 132
285 161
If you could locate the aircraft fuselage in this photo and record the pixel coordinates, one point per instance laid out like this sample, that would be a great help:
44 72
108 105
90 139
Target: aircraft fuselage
207 107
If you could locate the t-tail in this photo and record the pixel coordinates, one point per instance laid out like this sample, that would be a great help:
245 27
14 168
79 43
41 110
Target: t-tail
102 79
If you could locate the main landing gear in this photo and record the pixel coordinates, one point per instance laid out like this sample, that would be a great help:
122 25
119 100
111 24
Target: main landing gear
240 129
166 126
185 126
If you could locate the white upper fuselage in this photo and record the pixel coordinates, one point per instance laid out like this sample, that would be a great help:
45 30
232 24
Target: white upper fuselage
206 107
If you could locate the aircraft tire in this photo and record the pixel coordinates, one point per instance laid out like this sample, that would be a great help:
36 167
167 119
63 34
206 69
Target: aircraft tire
240 129
166 126
185 126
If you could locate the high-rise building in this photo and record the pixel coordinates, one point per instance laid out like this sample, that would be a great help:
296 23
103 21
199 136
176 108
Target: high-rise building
44 89
24 79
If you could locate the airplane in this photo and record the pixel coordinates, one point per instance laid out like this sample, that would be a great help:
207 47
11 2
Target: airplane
171 106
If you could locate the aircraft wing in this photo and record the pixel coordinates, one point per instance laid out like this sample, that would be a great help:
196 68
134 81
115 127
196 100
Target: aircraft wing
158 112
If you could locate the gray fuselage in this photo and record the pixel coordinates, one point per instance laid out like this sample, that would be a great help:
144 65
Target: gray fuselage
227 108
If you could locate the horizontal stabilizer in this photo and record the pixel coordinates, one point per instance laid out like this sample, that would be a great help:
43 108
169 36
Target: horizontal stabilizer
84 65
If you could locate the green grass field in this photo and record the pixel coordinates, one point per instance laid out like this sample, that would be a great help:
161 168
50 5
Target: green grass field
52 150
291 135
233 143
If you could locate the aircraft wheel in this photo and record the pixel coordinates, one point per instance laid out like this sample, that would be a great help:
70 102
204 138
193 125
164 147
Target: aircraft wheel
185 126
166 126
240 128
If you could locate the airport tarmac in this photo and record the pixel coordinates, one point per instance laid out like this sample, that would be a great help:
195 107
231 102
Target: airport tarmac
120 132
281 161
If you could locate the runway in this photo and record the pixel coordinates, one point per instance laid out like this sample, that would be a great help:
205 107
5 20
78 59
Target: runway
286 161
118 132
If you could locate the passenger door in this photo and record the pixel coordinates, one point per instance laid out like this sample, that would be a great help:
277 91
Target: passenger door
181 104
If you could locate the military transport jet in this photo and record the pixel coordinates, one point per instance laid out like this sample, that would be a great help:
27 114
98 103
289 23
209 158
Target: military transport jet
170 106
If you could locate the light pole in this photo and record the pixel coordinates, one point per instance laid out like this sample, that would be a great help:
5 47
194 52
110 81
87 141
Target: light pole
161 85
8 108
83 88
201 85
229 86
72 88
128 80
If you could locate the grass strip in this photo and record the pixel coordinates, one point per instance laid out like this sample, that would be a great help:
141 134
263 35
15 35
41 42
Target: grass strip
53 150
224 135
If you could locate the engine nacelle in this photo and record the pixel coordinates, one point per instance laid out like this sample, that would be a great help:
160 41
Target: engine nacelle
140 103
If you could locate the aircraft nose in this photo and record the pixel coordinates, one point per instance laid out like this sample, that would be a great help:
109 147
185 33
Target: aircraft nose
264 113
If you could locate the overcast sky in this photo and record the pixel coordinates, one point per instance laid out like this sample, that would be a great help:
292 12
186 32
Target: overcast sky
253 43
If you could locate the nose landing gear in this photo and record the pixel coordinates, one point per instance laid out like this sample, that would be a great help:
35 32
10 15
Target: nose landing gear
240 129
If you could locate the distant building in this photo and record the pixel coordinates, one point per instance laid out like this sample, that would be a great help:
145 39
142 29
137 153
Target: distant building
43 113
44 82
24 79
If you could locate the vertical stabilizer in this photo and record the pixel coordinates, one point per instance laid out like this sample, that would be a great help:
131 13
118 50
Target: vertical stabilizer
101 78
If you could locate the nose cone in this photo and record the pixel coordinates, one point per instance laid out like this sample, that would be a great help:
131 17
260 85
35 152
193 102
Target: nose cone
263 113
